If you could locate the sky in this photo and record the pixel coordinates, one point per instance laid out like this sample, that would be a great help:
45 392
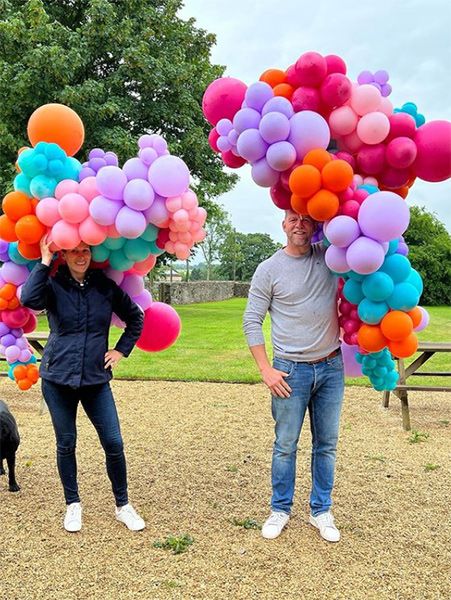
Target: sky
409 39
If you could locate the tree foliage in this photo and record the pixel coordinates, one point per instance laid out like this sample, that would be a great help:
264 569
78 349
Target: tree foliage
125 66
241 253
218 227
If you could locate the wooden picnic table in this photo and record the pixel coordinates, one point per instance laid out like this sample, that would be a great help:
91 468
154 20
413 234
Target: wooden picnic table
427 349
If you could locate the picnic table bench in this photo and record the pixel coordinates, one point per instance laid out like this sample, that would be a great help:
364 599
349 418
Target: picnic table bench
427 349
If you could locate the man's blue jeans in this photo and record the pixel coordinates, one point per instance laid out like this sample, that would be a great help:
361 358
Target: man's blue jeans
319 387
98 402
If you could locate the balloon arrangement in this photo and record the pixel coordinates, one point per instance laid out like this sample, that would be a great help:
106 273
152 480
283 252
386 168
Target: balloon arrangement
339 151
127 215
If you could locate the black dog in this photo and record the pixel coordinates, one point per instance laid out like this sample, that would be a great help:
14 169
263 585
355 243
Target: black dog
9 442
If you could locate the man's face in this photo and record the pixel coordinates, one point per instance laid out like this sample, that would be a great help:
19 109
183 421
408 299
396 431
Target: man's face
78 259
299 229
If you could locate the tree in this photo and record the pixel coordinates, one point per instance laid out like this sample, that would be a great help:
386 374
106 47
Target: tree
125 66
430 254
199 272
218 227
241 254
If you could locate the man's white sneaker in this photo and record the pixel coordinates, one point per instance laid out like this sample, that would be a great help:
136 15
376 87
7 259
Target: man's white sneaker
128 515
72 520
325 523
273 526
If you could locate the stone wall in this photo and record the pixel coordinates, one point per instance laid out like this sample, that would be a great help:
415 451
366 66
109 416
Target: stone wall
200 291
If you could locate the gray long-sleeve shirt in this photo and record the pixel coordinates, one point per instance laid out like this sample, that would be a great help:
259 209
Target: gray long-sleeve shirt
300 295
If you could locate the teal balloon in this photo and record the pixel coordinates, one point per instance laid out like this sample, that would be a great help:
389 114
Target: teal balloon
31 264
397 267
326 242
119 261
405 297
72 168
392 247
370 363
15 255
380 371
42 186
100 253
352 291
371 189
114 243
136 250
56 168
154 249
416 280
150 234
372 312
355 276
22 184
378 286
54 152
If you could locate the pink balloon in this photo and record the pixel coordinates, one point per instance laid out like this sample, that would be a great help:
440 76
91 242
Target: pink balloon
146 265
371 159
401 125
335 64
401 152
343 120
222 99
161 328
31 324
352 142
47 211
373 127
352 367
67 186
306 98
73 208
433 141
65 235
15 318
189 200
365 99
335 90
174 204
91 233
88 188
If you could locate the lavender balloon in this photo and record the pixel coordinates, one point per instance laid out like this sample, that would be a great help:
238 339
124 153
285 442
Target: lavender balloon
258 94
138 194
246 118
274 127
263 174
384 216
279 104
365 256
336 259
169 176
157 213
104 211
134 168
130 223
341 231
111 182
251 145
352 367
308 130
281 156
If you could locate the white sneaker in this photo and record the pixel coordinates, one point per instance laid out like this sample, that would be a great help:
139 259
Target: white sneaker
128 515
72 520
273 526
325 523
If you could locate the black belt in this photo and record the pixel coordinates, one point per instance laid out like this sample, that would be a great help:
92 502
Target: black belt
331 355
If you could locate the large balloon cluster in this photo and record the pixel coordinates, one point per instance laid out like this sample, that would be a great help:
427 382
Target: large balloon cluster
127 215
339 151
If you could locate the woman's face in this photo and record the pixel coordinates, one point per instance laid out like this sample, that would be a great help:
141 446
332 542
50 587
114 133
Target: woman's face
78 259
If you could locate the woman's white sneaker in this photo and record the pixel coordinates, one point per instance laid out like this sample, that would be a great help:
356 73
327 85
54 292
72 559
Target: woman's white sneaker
72 520
325 523
128 515
274 524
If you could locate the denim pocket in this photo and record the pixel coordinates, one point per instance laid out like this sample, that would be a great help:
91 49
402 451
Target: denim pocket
336 362
287 366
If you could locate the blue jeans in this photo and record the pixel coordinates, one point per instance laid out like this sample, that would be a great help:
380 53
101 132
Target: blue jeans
320 387
98 403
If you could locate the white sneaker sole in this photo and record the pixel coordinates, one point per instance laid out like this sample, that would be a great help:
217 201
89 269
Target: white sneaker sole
313 522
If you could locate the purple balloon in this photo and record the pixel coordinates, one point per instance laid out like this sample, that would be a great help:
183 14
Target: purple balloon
352 367
223 126
383 216
130 223
233 137
134 168
116 276
159 144
365 77
263 175
258 94
251 145
274 127
86 172
12 353
365 255
424 319
97 163
132 285
381 77
8 340
169 176
12 273
138 194
111 159
148 155
308 130
279 104
281 156
341 231
96 153
336 259
4 329
157 213
386 90
104 211
25 355
4 256
143 300
246 118
223 143
111 182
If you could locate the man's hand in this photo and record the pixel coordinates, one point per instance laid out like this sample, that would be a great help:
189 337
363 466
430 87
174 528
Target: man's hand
275 381
112 357
46 253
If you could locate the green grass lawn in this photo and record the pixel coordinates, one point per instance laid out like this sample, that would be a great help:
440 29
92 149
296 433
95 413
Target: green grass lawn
212 347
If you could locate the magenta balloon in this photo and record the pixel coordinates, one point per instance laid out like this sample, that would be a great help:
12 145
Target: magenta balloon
401 152
335 64
258 94
104 211
251 145
352 367
371 159
222 99
138 194
161 328
365 255
384 216
135 168
263 174
342 231
311 68
433 141
111 182
281 156
306 98
336 259
394 178
335 90
246 118
130 223
280 196
213 137
308 130
169 176
274 127
401 125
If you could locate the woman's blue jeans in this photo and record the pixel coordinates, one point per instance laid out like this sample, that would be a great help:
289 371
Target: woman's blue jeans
98 403
320 387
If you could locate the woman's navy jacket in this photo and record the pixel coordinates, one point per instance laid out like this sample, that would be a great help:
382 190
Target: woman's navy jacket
79 317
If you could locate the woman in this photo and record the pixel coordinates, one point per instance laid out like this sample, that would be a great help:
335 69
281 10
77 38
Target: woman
76 366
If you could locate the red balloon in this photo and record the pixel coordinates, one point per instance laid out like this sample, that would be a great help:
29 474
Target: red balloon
162 238
15 318
212 139
280 196
162 327
231 160
31 324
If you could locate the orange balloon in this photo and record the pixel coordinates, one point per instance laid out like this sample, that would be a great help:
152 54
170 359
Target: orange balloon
29 229
273 77
57 123
416 315
13 304
396 325
33 373
16 205
24 384
8 291
317 158
283 89
30 251
34 203
323 205
7 229
404 348
20 372
305 181
337 175
3 304
370 338
299 204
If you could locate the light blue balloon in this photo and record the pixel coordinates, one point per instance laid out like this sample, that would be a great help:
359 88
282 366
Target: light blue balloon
352 291
397 267
405 297
416 280
355 276
371 189
42 186
22 184
54 152
378 286
372 312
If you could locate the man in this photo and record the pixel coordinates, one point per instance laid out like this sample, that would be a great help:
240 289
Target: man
299 292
